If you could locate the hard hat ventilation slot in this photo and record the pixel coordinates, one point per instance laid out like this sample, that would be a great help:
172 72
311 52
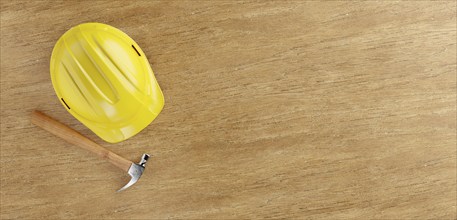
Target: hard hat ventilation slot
65 103
136 50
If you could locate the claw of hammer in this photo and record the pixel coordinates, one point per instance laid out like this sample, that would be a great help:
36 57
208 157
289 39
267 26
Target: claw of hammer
135 171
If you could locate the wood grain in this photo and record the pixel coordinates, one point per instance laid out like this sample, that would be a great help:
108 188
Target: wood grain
274 109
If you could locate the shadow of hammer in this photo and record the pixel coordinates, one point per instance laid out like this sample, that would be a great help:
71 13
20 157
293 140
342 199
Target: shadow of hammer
73 137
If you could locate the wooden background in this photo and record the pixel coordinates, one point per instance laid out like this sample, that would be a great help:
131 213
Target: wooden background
274 109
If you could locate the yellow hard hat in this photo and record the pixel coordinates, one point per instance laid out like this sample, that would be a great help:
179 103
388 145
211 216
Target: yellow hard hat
103 78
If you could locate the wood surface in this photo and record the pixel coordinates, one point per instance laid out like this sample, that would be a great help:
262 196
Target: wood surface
273 109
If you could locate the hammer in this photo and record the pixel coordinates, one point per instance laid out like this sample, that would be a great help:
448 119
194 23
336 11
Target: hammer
49 124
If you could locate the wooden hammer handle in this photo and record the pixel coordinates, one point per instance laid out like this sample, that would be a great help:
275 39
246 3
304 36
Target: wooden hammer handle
60 130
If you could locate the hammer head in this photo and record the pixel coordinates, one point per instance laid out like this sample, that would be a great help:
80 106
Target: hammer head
135 171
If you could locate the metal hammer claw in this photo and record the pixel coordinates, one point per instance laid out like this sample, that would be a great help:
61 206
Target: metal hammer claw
72 136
